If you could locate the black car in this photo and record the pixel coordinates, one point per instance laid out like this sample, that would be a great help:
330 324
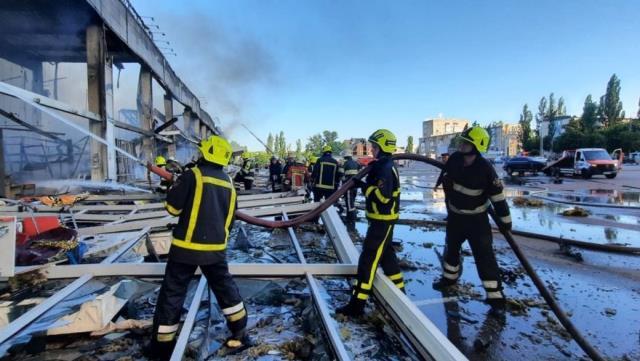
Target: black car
521 165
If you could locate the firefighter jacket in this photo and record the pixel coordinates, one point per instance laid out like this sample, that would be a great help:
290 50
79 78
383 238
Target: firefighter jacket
382 191
325 173
275 169
473 189
205 200
297 175
351 168
247 172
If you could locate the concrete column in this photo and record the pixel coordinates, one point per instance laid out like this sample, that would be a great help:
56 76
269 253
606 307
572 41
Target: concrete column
168 115
188 121
3 175
112 169
96 98
145 112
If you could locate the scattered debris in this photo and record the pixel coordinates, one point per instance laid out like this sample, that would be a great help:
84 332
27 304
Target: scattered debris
31 280
567 250
527 202
576 212
610 311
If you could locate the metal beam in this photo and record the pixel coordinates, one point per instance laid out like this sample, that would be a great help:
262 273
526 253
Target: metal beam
428 340
189 321
327 321
125 247
259 270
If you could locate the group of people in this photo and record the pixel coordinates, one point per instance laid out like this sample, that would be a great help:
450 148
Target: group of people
204 200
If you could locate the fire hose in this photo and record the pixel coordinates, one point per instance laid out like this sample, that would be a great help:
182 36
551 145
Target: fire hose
544 292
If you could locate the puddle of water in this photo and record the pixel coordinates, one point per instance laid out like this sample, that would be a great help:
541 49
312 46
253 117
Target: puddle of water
598 196
464 318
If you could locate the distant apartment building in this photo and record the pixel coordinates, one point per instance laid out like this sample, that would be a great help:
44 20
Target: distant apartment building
359 146
437 134
504 140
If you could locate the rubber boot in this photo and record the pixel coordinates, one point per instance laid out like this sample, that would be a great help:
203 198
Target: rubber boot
355 308
443 283
159 350
498 306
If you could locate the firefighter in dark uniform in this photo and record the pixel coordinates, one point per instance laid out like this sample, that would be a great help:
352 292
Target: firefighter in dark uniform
275 174
161 162
351 168
326 175
246 175
382 193
205 200
471 186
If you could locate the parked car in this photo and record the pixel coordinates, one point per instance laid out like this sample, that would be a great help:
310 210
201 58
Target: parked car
585 162
521 165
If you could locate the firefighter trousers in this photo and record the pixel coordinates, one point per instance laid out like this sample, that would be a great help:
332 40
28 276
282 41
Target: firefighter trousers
174 291
350 202
477 230
377 249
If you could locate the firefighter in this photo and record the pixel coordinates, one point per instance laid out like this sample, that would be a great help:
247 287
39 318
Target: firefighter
205 200
471 186
288 163
312 161
382 194
325 176
275 171
351 168
296 176
246 174
161 162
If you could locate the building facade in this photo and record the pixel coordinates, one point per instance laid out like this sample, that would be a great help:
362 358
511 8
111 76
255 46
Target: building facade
359 146
504 140
437 135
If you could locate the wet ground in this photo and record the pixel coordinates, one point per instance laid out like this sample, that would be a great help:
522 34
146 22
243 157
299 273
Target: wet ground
601 293
602 306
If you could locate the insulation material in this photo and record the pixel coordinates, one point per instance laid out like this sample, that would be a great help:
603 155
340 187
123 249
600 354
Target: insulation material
96 314
161 243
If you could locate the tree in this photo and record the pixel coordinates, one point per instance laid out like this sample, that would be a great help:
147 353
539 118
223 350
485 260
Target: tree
524 134
475 124
552 111
298 148
589 118
542 111
282 145
314 144
562 109
409 148
270 142
276 146
638 115
612 106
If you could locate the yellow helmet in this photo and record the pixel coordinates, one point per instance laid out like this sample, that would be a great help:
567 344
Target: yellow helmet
245 155
313 159
160 161
327 148
384 139
216 149
477 136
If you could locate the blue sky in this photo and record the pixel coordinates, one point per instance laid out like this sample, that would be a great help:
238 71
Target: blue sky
355 66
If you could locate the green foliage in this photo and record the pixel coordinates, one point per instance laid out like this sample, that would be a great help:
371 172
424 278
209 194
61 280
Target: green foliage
625 136
589 118
270 142
317 141
610 102
409 148
525 125
261 159
562 109
298 148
